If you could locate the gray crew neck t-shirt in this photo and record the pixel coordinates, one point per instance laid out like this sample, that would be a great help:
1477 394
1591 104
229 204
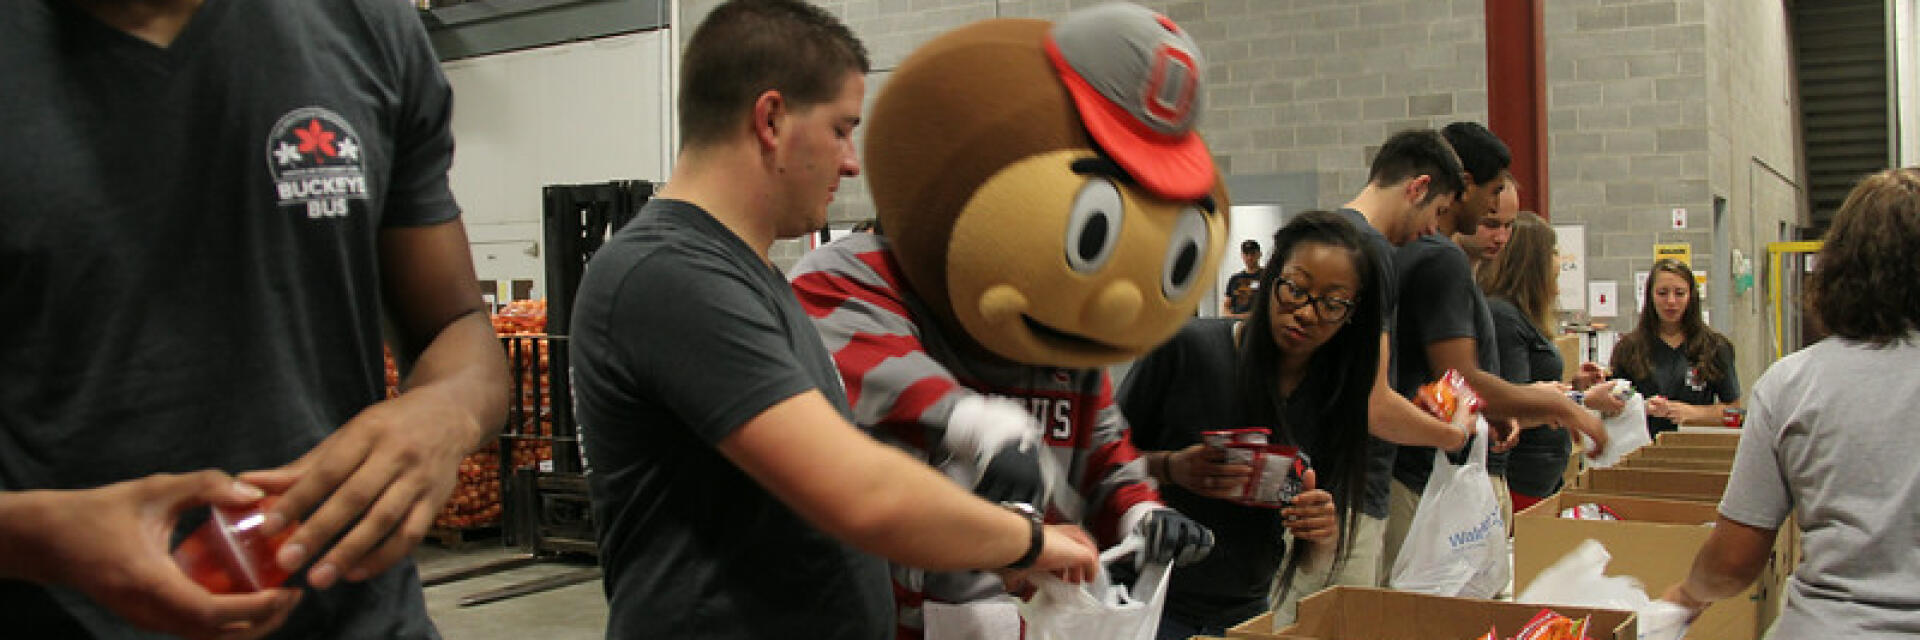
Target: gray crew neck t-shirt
1830 437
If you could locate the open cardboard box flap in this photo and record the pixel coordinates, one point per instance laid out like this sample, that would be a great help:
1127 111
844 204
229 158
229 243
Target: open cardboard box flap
1361 613
1693 486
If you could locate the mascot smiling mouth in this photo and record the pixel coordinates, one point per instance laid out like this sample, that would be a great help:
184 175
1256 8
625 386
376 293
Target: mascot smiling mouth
1072 340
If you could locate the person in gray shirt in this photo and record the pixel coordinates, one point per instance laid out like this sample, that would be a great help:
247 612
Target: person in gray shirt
1830 439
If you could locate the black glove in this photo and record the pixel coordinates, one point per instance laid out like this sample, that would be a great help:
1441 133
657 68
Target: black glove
1011 474
1172 536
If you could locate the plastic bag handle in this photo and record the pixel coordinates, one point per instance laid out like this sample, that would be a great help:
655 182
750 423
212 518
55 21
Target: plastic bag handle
1476 450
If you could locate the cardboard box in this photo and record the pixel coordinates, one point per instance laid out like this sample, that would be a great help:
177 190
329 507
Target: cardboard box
1722 437
1692 486
1362 613
1651 462
1655 542
1570 355
1664 452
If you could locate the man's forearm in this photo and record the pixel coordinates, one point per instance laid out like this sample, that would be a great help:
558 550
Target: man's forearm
1505 400
465 365
919 517
20 557
1393 418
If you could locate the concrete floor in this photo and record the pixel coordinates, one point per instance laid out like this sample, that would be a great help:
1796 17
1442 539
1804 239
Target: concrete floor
575 612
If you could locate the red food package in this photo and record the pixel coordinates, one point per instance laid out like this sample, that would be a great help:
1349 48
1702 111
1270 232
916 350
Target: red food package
1548 625
229 555
1492 634
1449 399
1278 470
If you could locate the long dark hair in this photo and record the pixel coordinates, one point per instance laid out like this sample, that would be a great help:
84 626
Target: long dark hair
1865 288
1633 355
1340 373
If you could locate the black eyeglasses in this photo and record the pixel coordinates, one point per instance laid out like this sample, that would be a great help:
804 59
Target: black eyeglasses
1289 297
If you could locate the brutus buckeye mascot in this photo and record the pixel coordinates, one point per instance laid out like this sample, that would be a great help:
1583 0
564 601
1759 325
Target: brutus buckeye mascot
1048 209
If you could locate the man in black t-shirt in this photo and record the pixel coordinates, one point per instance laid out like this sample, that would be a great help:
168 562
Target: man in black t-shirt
1244 285
209 209
1446 325
734 498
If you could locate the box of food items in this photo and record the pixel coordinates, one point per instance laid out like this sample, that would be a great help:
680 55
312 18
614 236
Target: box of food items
1653 540
1363 613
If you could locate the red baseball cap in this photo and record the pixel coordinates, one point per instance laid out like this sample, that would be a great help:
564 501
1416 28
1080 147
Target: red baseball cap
1135 78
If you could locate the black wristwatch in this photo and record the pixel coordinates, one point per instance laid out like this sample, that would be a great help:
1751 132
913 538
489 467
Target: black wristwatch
1033 547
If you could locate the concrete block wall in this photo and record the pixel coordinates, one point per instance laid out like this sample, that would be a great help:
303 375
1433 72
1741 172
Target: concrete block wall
1627 130
1661 104
1753 158
1294 86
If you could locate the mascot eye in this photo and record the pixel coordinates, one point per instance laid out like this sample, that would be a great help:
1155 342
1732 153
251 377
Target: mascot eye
1184 252
1093 227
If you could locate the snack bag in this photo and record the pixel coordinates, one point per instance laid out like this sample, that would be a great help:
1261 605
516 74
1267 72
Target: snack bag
1450 399
1589 511
1548 625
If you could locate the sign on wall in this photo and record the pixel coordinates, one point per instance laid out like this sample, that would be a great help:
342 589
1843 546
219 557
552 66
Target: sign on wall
1681 251
1572 257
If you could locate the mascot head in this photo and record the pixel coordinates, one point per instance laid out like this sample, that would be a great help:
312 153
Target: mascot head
1043 187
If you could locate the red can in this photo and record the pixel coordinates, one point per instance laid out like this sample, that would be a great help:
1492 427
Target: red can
1733 417
228 554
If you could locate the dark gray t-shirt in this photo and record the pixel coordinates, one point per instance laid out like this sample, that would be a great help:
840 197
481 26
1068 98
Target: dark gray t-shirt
1679 379
189 236
1182 388
1829 438
1380 453
1441 302
1536 466
682 334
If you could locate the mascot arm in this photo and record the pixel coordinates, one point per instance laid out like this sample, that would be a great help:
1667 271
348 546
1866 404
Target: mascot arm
1115 475
851 291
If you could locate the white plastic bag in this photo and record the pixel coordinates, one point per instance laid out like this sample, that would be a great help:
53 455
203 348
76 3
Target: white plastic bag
1457 542
1625 433
992 619
1098 609
1579 579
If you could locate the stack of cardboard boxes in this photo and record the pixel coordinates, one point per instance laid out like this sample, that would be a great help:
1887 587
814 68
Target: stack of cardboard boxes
1666 496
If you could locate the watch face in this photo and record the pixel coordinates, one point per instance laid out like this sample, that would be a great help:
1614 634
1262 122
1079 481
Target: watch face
1022 508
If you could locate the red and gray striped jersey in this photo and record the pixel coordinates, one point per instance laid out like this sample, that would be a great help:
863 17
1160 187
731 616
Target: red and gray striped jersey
903 373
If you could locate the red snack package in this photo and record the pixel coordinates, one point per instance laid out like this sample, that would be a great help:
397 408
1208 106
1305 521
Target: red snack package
1278 470
1548 625
229 555
1449 399
1492 634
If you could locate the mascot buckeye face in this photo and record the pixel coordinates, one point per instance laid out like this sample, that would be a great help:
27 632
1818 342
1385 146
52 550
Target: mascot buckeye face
1043 187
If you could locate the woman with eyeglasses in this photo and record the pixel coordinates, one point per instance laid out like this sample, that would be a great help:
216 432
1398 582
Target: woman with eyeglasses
1302 365
1683 367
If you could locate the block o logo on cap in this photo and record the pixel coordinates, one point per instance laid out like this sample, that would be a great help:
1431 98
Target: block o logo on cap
1135 80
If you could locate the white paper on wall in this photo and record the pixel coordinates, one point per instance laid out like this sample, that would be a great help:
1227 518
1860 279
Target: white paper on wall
1572 240
1603 298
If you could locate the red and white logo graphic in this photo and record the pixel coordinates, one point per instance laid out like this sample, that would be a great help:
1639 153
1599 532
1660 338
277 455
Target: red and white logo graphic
1171 86
314 158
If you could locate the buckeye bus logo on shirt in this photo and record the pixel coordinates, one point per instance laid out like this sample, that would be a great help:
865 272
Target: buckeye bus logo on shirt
314 158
